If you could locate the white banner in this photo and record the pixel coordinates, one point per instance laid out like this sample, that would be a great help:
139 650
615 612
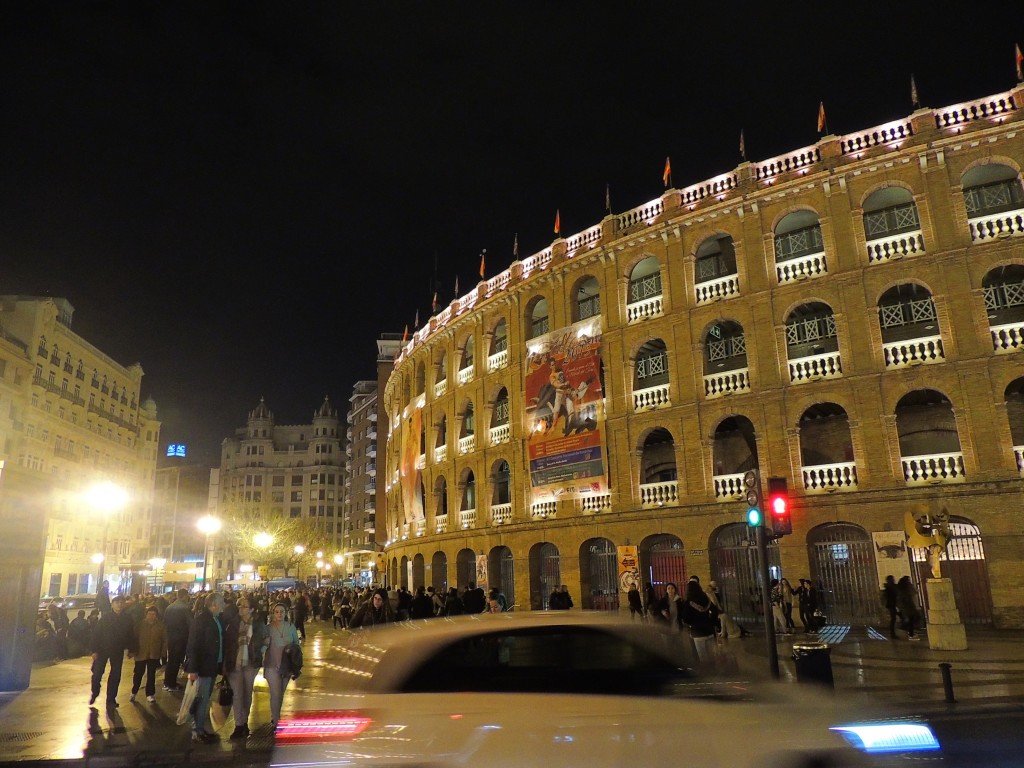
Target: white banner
892 555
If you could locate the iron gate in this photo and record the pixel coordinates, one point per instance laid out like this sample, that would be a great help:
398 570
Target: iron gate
550 573
843 569
666 561
601 592
500 573
734 569
963 563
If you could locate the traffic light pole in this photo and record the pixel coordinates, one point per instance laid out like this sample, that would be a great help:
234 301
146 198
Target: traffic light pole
766 601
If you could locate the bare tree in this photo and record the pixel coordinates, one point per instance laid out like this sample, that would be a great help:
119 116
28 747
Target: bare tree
285 533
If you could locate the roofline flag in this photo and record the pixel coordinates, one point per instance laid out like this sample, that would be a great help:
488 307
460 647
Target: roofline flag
405 333
666 176
416 322
456 286
607 198
433 303
483 261
914 100
1019 58
822 122
743 146
515 247
558 221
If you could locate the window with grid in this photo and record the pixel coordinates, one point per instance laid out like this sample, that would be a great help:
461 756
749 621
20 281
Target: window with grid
501 411
891 221
644 287
800 242
653 365
993 198
810 329
723 349
907 313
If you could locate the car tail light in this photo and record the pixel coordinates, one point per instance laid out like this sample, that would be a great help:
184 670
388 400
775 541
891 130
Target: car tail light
321 727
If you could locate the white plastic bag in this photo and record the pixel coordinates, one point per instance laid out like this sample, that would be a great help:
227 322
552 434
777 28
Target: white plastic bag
184 711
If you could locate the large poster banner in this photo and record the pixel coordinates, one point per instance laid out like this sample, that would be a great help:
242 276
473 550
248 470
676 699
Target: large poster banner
892 556
565 411
409 474
629 566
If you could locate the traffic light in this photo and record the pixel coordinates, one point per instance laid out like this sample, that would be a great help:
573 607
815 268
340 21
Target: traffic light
778 506
752 494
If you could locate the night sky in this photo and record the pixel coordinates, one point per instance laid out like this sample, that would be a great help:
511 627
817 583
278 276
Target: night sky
242 196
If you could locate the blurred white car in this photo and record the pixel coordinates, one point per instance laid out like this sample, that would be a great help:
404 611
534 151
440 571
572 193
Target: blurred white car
562 689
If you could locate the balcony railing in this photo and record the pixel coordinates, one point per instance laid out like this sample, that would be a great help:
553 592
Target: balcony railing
894 247
728 487
501 514
726 383
421 528
934 468
421 461
1018 451
467 518
440 388
815 368
1008 337
828 478
801 268
497 361
927 349
659 494
467 443
644 309
543 510
997 225
500 434
466 374
595 503
441 523
719 288
651 397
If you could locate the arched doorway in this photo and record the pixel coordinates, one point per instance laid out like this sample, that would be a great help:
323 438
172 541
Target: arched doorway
734 570
465 568
392 576
662 559
403 573
545 574
599 575
500 573
419 572
963 563
439 572
843 569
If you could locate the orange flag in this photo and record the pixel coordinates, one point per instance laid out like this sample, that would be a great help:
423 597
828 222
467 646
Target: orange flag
1019 57
666 176
558 221
405 333
433 304
483 257
822 125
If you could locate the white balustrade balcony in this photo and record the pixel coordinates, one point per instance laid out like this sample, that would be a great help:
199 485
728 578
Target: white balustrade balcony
406 529
659 494
728 487
895 247
441 523
467 443
440 388
1007 338
497 361
726 383
934 468
466 374
1018 451
500 434
440 454
997 225
815 368
801 268
595 503
467 518
421 528
421 461
543 510
720 288
651 397
829 478
501 514
913 352
644 310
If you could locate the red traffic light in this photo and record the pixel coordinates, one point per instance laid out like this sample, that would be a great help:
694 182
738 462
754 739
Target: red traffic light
778 505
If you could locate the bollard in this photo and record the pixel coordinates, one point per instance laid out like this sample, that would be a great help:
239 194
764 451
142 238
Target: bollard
947 681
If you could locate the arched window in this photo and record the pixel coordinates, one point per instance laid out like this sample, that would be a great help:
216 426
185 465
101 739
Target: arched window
812 343
498 356
826 449
537 317
715 269
644 298
725 360
586 299
651 376
501 483
734 451
658 469
799 247
929 441
892 227
991 189
910 328
500 429
1004 303
466 364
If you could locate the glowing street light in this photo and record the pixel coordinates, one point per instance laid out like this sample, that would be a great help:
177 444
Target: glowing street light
209 526
106 498
262 539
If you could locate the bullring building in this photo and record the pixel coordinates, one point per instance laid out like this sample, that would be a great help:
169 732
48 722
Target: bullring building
847 316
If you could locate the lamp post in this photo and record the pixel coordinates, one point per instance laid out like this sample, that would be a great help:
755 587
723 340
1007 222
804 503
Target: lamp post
319 571
106 498
157 565
299 551
327 567
209 526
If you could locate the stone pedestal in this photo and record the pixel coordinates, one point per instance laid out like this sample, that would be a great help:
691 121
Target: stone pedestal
945 630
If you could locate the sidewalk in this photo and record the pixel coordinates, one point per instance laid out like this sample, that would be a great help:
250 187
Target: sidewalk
52 720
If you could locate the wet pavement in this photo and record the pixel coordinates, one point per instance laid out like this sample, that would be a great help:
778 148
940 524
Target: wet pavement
52 720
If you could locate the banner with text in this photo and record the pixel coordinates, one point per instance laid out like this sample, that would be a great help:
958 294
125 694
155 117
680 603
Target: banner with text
410 478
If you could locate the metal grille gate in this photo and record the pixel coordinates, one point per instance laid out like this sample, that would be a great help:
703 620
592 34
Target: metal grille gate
666 562
734 569
963 563
500 573
843 569
604 577
550 572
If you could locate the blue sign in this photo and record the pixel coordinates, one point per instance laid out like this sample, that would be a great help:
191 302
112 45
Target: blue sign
176 449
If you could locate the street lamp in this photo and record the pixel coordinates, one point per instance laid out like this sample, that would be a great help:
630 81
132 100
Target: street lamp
106 498
327 567
262 539
157 565
299 551
208 525
319 569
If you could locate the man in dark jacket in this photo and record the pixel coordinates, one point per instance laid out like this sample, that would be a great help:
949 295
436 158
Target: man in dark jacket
204 658
474 601
177 622
422 606
112 636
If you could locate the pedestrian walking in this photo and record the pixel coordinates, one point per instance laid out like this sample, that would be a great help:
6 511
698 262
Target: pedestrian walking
422 606
636 606
807 599
778 618
204 658
300 612
177 623
246 640
906 603
889 600
787 604
283 635
151 650
376 612
111 637
699 616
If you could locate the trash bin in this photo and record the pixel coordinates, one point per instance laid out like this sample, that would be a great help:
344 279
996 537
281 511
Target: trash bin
813 663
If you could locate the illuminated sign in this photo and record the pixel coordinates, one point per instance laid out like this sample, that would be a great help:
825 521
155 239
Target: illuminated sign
176 449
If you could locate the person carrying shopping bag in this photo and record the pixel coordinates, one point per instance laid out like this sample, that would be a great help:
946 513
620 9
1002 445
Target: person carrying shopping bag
246 640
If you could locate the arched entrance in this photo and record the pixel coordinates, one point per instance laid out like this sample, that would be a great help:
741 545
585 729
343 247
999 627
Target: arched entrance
418 572
662 559
500 573
963 563
599 575
843 569
545 574
465 568
439 572
392 575
403 573
734 570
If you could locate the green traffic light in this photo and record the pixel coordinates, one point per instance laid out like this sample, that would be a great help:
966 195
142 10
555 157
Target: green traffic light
753 517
